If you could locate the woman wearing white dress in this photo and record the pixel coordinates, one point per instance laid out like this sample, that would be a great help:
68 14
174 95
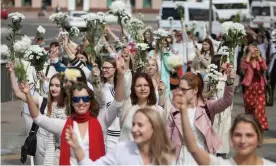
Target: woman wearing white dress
150 146
142 95
87 123
246 136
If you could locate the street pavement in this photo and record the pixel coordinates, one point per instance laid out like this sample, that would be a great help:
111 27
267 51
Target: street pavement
12 124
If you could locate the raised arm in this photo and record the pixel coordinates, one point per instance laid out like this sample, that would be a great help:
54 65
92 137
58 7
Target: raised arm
108 116
221 104
15 86
200 156
50 124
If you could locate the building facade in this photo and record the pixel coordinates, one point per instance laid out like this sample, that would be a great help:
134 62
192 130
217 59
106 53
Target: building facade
137 5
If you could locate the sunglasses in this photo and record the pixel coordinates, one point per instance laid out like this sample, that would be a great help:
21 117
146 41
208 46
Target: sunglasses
77 99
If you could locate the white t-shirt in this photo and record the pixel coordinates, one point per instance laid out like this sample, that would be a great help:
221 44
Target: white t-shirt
220 161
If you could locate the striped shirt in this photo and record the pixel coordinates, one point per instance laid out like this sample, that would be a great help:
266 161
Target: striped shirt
113 132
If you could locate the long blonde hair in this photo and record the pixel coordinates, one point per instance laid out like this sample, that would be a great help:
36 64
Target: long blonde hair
161 149
157 76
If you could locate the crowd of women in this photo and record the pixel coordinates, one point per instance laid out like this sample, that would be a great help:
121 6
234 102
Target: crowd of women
108 114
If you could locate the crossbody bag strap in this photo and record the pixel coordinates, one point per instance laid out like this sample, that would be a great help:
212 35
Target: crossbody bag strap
47 70
42 110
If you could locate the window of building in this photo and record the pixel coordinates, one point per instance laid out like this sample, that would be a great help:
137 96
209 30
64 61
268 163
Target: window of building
26 2
231 6
79 3
147 3
261 11
48 2
274 10
170 12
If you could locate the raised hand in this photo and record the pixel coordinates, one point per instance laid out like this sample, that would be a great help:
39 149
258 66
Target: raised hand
10 66
96 72
231 74
179 100
120 65
161 88
71 138
24 87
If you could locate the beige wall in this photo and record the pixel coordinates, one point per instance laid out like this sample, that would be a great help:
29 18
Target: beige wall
36 3
17 3
101 4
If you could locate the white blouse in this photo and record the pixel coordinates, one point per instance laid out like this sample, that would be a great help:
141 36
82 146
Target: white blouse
220 161
126 118
125 153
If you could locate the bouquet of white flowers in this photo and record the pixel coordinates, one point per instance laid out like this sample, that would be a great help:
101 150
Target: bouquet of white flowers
74 31
159 36
141 56
59 18
95 24
233 34
37 56
21 46
16 17
40 31
213 74
175 61
135 28
14 29
118 8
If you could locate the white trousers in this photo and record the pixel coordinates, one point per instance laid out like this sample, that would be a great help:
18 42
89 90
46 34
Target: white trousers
40 150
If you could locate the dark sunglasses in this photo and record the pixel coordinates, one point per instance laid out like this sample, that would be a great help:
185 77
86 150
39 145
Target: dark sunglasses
77 99
184 90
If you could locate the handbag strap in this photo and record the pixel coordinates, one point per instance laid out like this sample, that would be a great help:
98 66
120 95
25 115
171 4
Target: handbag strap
47 70
42 110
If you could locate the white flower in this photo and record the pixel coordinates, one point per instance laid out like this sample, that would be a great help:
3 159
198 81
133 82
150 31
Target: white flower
161 32
5 50
31 57
16 16
22 45
75 31
59 17
118 6
37 57
273 35
226 26
158 18
174 61
40 29
142 46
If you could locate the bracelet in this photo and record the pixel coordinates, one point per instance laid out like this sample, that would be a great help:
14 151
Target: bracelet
229 84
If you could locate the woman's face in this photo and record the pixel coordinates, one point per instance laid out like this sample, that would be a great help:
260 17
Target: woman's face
151 67
147 35
81 105
142 130
108 70
244 139
82 58
206 46
125 54
142 89
85 42
55 87
224 66
188 92
253 50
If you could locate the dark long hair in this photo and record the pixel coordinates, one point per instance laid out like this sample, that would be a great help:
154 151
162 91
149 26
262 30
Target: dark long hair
60 98
94 106
216 59
212 52
152 100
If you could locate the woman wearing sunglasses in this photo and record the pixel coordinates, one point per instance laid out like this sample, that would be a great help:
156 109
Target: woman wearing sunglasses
201 115
84 117
150 146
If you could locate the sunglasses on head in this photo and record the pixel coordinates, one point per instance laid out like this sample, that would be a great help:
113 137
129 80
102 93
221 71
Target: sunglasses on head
77 99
